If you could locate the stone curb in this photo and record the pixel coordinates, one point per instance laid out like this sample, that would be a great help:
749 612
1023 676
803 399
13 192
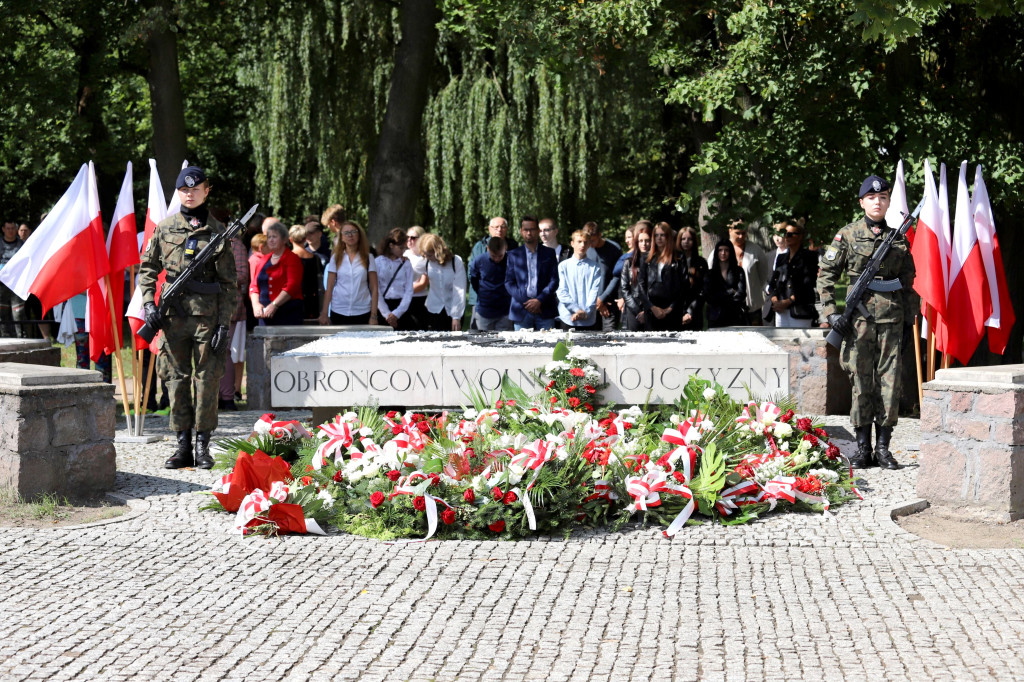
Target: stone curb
886 517
136 508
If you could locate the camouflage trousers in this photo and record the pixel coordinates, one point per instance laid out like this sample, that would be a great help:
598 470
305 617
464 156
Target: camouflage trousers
872 357
186 360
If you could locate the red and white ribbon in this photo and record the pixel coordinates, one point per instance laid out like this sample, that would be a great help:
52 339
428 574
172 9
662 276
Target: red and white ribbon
280 429
732 498
255 503
339 437
278 491
683 437
602 491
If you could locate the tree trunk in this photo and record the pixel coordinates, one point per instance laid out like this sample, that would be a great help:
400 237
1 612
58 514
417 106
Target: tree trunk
397 174
166 99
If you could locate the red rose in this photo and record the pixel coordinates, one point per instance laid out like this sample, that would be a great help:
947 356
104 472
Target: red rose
418 503
497 494
423 426
554 400
392 414
470 453
396 429
590 389
627 425
498 405
786 417
469 496
337 476
678 475
497 526
663 461
376 499
448 517
804 424
510 497
813 441
511 403
821 433
832 452
550 385
417 417
306 480
571 388
434 479
393 475
588 407
574 402
576 372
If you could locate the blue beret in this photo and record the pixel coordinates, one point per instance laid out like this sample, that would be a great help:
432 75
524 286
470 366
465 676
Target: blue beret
873 183
190 176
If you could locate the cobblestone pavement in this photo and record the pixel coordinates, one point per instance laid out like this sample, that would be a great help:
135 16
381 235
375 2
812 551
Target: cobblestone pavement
169 593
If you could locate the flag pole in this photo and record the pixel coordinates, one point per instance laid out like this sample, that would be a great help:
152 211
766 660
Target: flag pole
117 352
917 357
149 383
136 359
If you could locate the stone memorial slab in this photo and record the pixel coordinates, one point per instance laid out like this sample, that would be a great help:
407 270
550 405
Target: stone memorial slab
436 370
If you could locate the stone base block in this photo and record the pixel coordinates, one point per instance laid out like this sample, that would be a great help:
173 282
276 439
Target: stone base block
56 431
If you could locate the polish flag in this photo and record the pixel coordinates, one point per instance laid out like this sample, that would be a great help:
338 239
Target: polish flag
66 255
898 207
1000 323
929 255
968 304
156 211
122 247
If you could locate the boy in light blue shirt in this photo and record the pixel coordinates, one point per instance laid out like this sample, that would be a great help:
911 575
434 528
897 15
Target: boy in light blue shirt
580 281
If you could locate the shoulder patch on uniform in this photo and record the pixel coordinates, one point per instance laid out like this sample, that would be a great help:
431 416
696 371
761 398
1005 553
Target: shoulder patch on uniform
839 238
831 252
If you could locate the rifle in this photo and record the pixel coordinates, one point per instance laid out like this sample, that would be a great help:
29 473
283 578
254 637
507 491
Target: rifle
170 293
855 294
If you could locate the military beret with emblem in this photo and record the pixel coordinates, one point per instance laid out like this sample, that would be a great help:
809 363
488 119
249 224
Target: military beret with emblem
873 183
190 176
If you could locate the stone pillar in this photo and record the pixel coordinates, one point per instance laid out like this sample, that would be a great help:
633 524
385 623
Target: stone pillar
56 430
29 351
816 381
972 433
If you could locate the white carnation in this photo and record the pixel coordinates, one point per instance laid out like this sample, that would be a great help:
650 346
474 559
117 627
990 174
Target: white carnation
782 430
709 394
326 498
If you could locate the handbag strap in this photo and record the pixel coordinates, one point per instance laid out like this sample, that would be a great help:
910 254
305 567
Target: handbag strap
393 275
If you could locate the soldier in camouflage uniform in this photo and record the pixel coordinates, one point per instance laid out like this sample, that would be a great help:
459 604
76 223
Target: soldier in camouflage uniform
873 344
196 331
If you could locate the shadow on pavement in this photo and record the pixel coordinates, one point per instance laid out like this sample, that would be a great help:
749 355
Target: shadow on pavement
144 485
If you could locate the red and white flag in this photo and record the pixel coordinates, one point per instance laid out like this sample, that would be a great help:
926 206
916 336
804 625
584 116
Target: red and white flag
156 211
898 203
122 250
929 252
968 304
66 254
1000 322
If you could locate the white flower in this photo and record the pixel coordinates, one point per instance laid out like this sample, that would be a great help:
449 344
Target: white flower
826 475
555 366
470 414
799 459
326 498
631 414
782 430
355 476
515 473
674 419
709 394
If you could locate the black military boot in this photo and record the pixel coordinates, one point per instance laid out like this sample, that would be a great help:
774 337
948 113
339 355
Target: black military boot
204 460
882 454
863 458
182 457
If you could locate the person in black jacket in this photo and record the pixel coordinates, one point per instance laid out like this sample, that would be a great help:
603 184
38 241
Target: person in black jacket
666 290
792 286
632 281
696 273
725 288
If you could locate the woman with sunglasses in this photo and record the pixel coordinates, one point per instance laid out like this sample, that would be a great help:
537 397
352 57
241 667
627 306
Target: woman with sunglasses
792 286
417 314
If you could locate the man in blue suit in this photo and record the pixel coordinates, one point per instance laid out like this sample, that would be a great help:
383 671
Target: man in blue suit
531 279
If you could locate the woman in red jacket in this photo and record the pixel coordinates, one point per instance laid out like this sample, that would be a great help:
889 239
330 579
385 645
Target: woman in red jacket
276 290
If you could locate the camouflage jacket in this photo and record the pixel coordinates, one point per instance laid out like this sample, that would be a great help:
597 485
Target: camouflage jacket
850 250
166 251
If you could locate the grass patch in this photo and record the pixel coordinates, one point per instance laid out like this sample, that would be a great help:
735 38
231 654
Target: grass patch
51 509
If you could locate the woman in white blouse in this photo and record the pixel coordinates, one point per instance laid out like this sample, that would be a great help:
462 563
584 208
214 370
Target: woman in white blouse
394 274
417 314
351 280
446 300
